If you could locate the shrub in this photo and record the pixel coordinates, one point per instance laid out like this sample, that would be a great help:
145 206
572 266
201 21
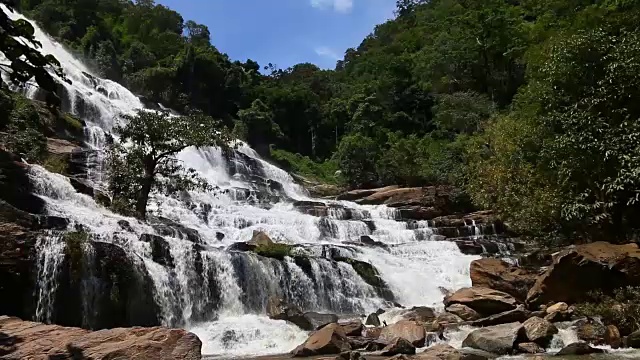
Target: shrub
323 172
622 309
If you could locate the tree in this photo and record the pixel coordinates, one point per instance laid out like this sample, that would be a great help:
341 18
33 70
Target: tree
356 156
145 158
19 46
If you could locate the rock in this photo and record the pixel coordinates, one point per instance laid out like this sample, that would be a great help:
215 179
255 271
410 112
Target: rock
498 339
518 314
420 314
483 300
440 352
352 328
331 339
372 333
464 312
219 236
538 330
376 345
373 319
557 307
612 337
260 239
29 340
446 320
398 346
409 330
160 249
319 320
530 348
124 225
358 342
278 309
349 355
557 316
579 270
241 246
476 354
499 275
579 348
369 241
633 340
168 227
590 331
359 194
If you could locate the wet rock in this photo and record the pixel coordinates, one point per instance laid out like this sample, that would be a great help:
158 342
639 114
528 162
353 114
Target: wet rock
362 193
612 337
498 339
124 225
278 309
412 331
29 340
319 320
260 239
499 275
398 346
464 312
483 300
358 342
579 270
331 339
241 246
82 186
419 313
167 227
219 236
518 314
160 249
367 240
579 348
633 340
538 330
373 319
370 275
530 348
352 328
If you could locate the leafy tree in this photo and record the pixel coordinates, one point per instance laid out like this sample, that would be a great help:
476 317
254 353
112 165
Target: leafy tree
259 128
145 158
356 156
20 48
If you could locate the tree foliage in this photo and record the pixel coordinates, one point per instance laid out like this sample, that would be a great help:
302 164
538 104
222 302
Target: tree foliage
144 159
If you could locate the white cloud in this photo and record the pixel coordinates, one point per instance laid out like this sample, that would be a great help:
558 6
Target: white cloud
342 6
327 52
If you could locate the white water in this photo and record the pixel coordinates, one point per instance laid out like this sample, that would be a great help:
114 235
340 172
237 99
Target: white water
226 307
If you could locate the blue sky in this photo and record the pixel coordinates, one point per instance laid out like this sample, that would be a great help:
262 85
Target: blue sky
286 32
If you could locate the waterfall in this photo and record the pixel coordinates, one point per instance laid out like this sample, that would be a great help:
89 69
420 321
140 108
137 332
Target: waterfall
201 285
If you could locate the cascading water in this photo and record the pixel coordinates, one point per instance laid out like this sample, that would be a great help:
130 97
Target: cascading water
199 284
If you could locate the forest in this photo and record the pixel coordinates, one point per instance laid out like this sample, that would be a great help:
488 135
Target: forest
531 107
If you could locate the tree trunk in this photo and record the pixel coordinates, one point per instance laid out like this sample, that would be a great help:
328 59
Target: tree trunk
143 196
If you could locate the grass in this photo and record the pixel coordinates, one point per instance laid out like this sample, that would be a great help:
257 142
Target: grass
323 172
56 163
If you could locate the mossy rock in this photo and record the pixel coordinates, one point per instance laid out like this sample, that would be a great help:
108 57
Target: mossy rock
57 163
275 251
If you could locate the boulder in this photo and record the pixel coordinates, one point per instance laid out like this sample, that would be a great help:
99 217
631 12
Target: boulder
579 348
590 330
353 328
612 337
485 301
419 313
319 320
633 340
557 307
440 352
331 339
538 330
498 339
445 319
362 193
463 311
579 270
372 319
499 275
160 249
349 355
558 313
409 330
30 340
260 239
278 309
530 348
476 354
372 333
518 314
398 346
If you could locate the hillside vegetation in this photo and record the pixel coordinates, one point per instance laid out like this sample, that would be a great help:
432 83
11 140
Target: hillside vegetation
531 107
